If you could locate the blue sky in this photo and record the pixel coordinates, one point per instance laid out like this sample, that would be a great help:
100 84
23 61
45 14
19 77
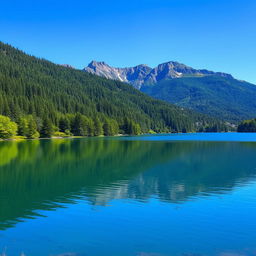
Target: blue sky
219 35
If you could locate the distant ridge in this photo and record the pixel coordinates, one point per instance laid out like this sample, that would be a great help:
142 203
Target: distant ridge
216 94
144 75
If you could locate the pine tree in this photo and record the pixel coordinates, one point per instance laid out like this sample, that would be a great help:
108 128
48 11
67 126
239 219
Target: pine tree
22 126
110 127
47 129
130 127
32 132
76 125
82 125
107 128
98 129
136 129
64 124
91 127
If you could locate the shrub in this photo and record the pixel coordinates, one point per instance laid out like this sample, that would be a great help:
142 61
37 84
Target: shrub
8 129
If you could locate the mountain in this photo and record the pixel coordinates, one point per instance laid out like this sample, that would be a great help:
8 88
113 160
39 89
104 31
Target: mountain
37 87
221 97
134 75
144 75
213 93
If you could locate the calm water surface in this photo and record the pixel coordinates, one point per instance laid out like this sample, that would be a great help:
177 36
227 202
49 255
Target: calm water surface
165 195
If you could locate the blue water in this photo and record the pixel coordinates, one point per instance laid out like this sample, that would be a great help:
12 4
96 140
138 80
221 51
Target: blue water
186 194
231 136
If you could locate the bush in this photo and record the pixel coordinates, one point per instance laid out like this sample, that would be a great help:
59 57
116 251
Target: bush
8 129
62 134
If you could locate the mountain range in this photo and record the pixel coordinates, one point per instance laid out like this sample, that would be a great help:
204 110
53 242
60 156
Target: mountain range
144 75
213 93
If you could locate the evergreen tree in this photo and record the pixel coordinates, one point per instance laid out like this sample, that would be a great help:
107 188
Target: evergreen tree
64 124
107 128
47 129
136 129
114 127
110 127
32 132
127 126
22 126
98 129
77 126
91 128
130 127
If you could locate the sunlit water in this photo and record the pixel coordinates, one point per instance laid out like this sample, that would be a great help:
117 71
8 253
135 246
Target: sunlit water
167 195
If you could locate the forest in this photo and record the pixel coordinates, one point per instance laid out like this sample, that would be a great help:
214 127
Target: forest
247 126
40 99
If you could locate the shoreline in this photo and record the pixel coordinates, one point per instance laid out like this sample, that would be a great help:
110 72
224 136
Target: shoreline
20 138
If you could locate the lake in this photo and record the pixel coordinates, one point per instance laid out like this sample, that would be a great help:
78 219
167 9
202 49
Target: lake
157 195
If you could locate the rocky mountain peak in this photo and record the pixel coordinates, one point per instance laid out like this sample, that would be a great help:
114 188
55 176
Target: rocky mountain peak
95 63
144 75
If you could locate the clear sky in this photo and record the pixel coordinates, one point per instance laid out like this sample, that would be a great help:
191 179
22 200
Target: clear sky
219 35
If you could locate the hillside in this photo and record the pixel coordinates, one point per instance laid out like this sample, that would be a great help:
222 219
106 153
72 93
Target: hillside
213 93
37 87
222 97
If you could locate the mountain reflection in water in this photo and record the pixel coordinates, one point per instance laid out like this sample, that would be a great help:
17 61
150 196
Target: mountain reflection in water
43 175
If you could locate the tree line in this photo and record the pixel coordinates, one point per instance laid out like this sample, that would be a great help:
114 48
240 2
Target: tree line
31 127
247 126
35 87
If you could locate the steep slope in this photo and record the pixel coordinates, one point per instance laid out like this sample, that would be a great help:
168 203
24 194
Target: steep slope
212 93
221 97
134 75
29 85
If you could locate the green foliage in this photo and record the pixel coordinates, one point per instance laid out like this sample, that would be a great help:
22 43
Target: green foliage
8 129
98 127
68 133
136 130
60 134
47 129
64 124
27 127
247 126
130 127
151 132
79 102
82 125
221 97
90 123
110 127
32 132
22 126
